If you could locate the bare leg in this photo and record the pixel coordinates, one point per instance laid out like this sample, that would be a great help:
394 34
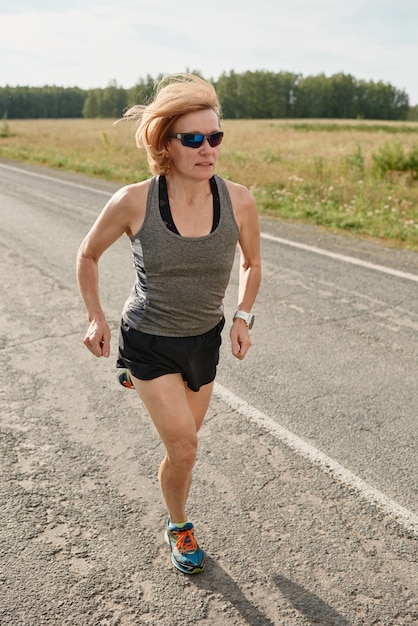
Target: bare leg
177 414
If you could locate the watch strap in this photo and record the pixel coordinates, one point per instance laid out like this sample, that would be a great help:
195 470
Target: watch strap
247 317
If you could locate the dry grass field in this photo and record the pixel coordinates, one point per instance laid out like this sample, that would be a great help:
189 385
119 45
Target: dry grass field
352 176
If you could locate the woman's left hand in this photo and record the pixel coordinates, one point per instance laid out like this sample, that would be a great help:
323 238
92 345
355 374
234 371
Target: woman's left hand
240 338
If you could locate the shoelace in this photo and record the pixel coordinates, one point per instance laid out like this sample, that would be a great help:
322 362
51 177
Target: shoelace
185 541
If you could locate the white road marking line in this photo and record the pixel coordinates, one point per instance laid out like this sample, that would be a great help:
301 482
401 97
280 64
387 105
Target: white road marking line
407 519
341 257
286 242
60 181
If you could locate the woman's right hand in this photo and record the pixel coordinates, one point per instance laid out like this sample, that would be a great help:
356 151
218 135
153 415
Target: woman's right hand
97 338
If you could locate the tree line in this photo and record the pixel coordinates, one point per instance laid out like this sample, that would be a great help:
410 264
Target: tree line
248 95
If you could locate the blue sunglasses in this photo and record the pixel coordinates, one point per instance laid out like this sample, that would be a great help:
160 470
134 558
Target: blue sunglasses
195 140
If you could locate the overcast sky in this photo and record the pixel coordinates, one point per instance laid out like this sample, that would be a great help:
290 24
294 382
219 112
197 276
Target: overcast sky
88 43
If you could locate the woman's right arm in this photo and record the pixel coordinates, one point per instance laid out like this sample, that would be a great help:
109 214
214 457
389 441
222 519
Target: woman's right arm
124 213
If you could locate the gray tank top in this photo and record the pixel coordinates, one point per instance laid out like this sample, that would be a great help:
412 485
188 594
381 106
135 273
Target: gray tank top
180 281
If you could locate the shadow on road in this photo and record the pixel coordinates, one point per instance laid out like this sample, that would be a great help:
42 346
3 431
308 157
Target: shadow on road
316 611
311 606
217 580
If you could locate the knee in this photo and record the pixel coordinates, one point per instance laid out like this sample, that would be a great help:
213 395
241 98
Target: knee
183 454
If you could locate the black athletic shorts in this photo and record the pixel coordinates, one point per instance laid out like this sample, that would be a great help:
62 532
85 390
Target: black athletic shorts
150 356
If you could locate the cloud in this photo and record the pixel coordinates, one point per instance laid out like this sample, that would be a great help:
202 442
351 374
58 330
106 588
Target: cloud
89 43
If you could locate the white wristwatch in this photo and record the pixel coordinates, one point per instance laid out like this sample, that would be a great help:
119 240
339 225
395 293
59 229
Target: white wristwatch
247 317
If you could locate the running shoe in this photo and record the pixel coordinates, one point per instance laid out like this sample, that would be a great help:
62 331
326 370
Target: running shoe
185 553
126 380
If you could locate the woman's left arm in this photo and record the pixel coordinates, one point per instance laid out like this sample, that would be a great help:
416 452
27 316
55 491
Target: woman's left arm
246 215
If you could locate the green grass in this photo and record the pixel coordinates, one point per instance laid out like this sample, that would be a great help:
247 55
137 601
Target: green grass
390 129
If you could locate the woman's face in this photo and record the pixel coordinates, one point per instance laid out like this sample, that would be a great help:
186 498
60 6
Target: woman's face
196 163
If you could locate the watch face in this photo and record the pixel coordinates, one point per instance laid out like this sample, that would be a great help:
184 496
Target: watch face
250 321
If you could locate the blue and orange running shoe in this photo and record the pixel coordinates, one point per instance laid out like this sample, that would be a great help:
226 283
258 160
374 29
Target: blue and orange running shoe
126 380
185 553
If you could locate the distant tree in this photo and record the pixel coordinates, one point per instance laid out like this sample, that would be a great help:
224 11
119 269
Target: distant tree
259 94
412 115
114 101
41 102
342 103
6 101
142 91
341 96
381 101
229 93
255 94
312 97
92 105
107 102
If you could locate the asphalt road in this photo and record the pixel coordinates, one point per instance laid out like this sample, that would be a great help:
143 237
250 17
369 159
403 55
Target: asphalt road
305 495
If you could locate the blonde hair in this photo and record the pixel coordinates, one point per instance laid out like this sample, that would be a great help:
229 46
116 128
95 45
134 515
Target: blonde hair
175 95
